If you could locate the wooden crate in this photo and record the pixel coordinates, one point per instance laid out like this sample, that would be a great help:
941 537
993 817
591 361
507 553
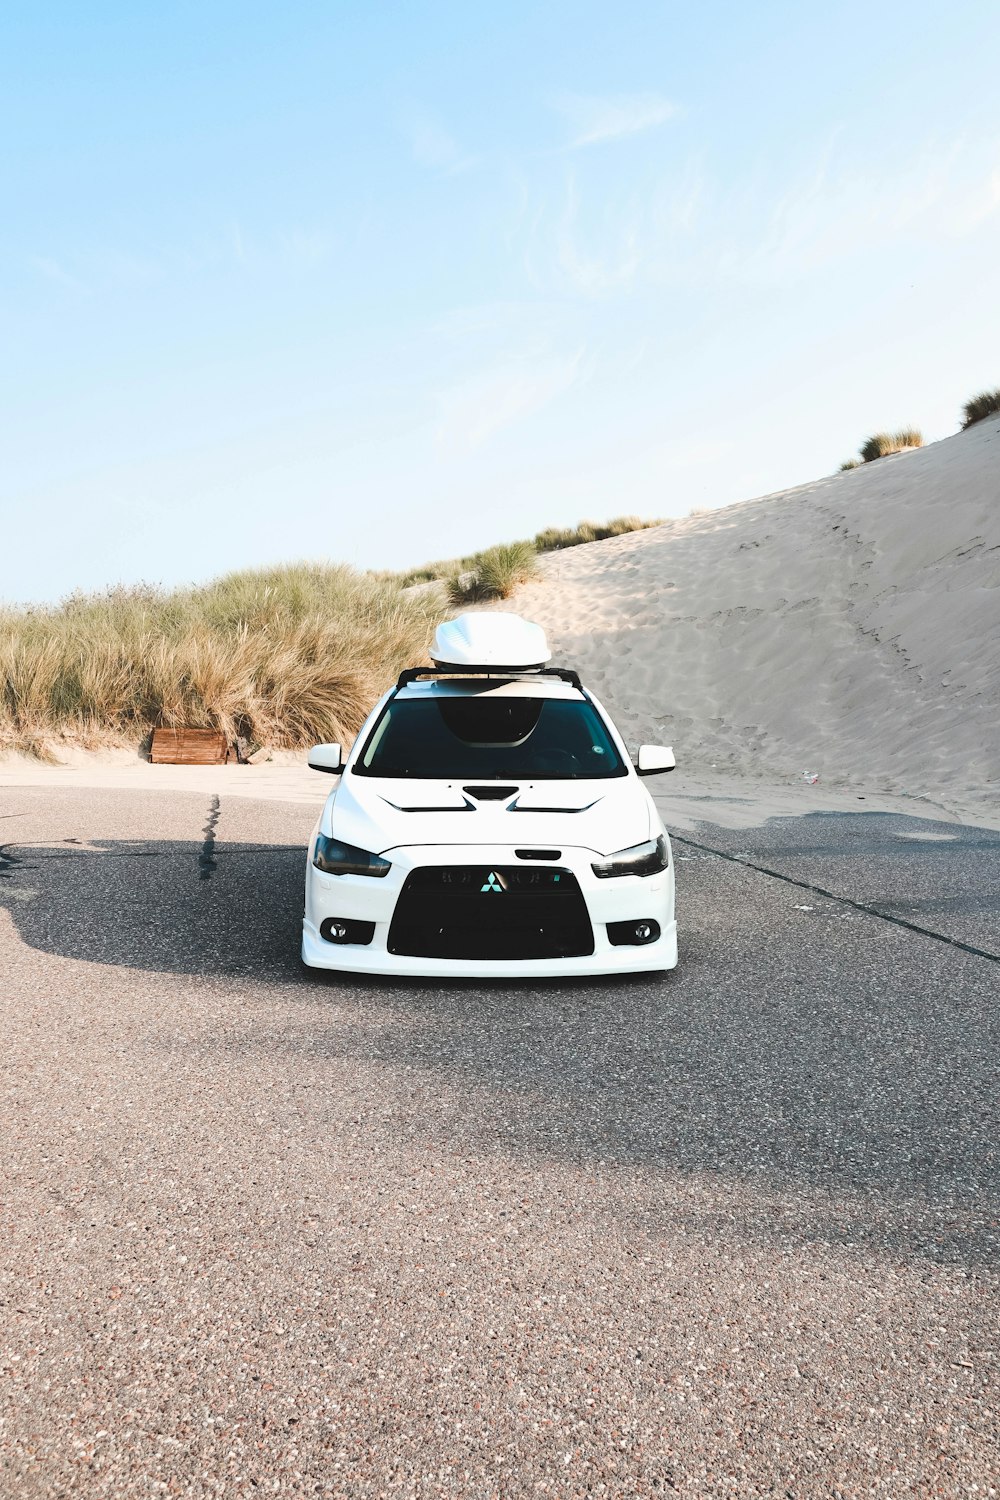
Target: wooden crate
189 747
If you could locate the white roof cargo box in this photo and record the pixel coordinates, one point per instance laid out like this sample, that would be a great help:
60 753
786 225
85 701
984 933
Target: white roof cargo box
490 639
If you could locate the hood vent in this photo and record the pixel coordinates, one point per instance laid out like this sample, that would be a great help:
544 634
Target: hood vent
430 807
491 793
543 807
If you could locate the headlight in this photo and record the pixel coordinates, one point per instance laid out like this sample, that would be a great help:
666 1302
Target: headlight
335 858
641 859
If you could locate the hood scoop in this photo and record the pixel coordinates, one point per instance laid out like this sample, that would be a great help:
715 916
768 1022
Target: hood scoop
431 800
546 798
554 800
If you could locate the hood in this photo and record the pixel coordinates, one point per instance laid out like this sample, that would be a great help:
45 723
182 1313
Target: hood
382 814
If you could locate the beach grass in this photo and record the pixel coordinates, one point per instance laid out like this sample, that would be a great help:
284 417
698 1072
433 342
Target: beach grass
496 574
881 444
552 539
279 657
978 408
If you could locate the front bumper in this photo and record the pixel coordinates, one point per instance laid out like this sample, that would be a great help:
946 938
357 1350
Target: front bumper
362 898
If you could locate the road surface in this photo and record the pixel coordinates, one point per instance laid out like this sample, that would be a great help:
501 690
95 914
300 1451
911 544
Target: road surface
733 1232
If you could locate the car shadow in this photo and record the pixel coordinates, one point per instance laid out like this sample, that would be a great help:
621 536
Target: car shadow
782 1057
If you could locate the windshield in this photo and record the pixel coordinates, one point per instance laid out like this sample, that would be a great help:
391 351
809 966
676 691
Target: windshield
490 739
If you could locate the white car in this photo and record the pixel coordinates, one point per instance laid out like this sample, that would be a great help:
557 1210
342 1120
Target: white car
489 823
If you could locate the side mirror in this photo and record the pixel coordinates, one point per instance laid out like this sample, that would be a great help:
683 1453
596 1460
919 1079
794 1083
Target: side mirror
653 759
326 758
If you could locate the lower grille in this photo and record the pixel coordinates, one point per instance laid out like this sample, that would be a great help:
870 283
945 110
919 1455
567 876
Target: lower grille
465 911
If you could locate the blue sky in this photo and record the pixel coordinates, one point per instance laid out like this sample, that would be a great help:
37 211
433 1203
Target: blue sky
388 282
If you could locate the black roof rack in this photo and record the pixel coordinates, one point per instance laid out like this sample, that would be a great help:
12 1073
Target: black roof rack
565 674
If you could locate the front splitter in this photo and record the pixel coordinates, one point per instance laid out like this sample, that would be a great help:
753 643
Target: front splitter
605 960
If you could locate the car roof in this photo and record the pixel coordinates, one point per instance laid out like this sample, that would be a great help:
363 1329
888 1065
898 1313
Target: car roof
493 687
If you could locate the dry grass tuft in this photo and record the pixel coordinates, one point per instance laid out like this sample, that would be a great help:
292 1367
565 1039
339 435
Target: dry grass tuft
554 538
280 657
497 573
884 443
502 568
986 404
850 463
435 572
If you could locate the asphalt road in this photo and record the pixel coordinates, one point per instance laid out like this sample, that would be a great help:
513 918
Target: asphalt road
733 1232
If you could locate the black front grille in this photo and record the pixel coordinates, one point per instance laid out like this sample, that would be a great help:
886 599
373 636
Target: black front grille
479 911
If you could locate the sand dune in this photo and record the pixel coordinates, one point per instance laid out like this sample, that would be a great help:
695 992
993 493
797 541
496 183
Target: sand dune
850 626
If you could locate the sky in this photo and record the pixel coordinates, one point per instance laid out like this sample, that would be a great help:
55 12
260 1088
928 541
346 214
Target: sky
388 282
